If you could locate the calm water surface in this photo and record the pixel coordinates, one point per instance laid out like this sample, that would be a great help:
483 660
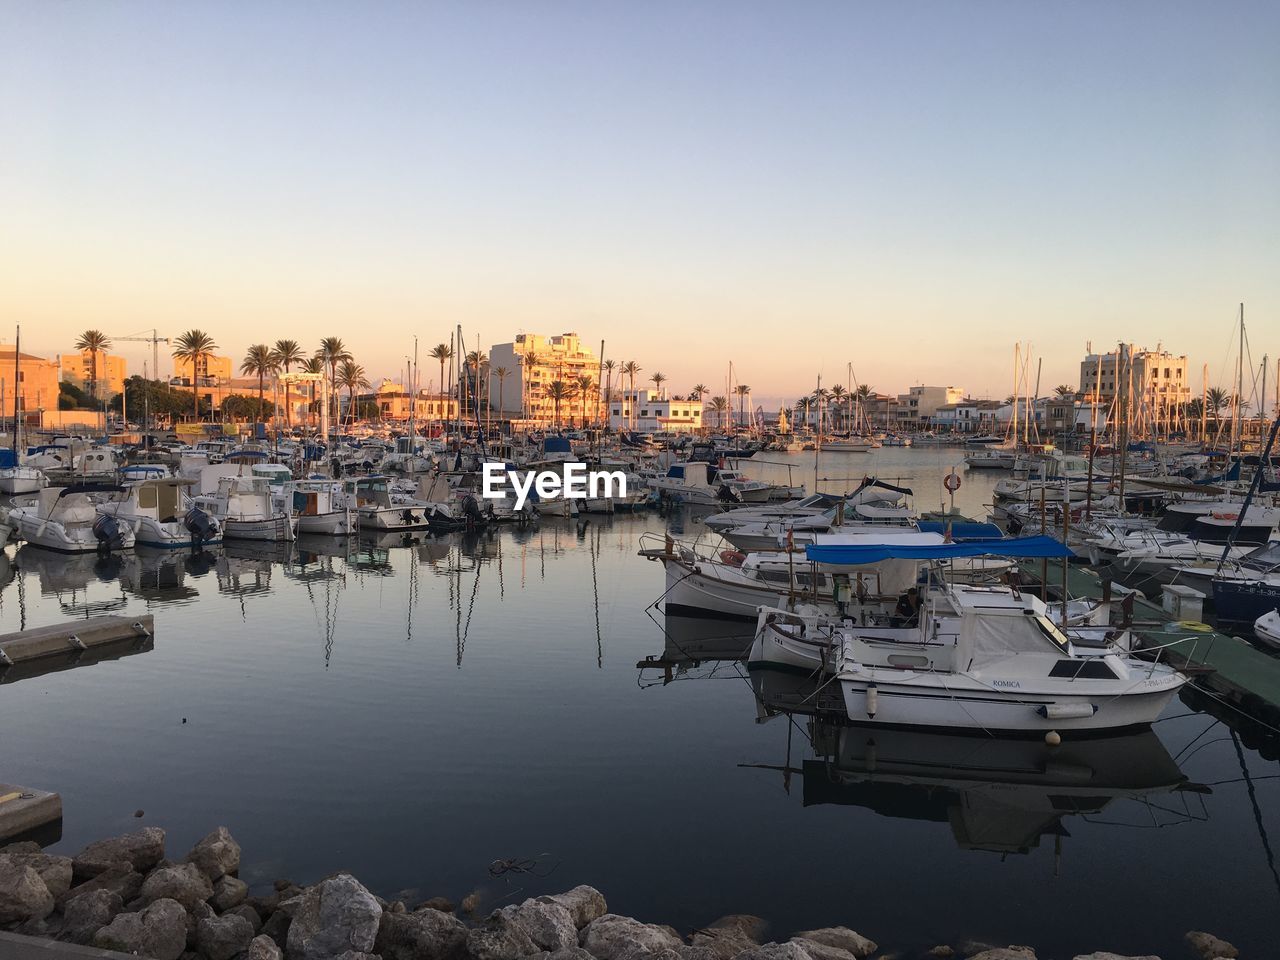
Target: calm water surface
414 711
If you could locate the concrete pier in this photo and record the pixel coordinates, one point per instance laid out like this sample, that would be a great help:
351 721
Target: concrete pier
71 636
24 810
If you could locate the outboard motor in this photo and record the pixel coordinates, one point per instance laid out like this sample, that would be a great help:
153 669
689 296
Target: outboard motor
107 530
471 510
201 526
727 494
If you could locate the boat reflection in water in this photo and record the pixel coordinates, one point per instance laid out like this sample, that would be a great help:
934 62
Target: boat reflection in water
697 646
997 794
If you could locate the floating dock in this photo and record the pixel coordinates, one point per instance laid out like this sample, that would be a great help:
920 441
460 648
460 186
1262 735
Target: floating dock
1229 669
24 812
72 641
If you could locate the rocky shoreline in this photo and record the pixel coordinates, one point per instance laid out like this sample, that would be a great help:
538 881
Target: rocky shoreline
123 894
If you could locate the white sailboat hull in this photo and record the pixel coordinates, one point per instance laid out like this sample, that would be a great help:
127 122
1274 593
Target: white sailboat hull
278 529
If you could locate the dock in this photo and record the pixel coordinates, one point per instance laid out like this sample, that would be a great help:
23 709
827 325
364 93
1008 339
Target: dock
72 640
25 812
1231 671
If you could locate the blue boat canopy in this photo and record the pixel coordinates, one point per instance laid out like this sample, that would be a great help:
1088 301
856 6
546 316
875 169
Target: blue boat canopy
1015 547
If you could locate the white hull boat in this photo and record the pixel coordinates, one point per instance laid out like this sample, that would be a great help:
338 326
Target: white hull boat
1267 629
66 519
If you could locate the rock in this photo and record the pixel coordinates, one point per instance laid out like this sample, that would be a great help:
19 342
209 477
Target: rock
85 915
250 914
263 948
334 916
549 924
443 904
499 937
120 879
357 955
142 850
941 952
791 950
22 846
1103 955
277 926
54 871
842 938
159 931
569 953
1006 953
23 895
216 855
583 903
823 951
728 936
428 934
46 928
1209 946
183 882
221 938
228 892
609 936
396 906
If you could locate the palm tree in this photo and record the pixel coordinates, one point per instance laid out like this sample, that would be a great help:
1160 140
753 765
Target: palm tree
313 365
1216 399
333 351
93 341
584 384
191 346
259 362
719 405
558 390
528 362
286 353
501 373
442 352
1064 390
631 368
475 362
608 367
742 390
351 376
838 402
658 380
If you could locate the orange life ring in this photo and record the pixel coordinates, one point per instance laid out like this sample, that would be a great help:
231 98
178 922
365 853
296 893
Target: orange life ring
1225 516
733 557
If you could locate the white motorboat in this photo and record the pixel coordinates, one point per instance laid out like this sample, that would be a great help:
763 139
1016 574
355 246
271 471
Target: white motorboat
66 519
161 514
18 480
699 482
1267 629
244 509
886 513
379 510
321 506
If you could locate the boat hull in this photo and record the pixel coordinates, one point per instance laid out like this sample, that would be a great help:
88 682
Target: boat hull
275 529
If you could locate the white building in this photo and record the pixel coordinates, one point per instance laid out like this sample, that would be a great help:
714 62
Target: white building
521 374
1158 379
918 405
647 411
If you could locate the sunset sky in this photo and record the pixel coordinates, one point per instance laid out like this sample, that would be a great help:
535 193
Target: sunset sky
910 187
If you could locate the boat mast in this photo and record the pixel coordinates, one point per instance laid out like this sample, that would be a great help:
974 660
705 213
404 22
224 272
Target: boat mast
1237 440
17 388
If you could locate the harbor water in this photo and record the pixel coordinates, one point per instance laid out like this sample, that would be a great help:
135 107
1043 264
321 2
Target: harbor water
441 715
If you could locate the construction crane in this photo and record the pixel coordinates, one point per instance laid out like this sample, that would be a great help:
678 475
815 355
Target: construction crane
155 340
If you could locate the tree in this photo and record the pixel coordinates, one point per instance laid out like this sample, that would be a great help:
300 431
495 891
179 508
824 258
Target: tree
333 351
631 368
501 373
192 346
658 380
475 362
527 363
742 390
558 391
608 366
238 406
719 405
442 352
259 362
94 341
152 396
584 384
71 397
351 376
838 402
1064 390
286 353
313 365
1216 399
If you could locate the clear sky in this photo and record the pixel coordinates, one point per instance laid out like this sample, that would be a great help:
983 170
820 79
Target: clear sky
793 186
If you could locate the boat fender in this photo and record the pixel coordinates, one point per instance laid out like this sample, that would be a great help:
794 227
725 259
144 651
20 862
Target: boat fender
1066 711
1195 626
1053 738
734 558
873 700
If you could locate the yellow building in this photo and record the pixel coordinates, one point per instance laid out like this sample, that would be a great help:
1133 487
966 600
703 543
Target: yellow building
392 400
213 370
77 368
37 382
532 363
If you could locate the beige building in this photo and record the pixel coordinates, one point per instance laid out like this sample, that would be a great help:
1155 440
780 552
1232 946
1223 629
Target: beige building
393 403
77 368
648 411
37 382
533 363
212 368
1158 379
918 405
